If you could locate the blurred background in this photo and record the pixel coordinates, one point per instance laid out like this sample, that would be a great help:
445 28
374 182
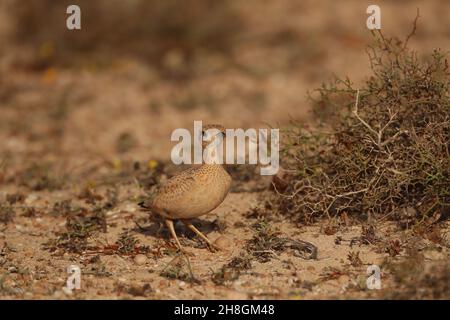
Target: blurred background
85 123
138 69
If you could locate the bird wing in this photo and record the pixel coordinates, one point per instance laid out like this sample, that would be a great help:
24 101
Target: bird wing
176 186
179 184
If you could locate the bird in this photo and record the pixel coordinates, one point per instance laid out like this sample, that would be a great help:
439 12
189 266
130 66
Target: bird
193 192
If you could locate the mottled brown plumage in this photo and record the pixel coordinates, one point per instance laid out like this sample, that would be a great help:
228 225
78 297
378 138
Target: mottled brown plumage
192 193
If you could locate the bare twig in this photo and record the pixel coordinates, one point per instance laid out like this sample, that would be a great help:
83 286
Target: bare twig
413 31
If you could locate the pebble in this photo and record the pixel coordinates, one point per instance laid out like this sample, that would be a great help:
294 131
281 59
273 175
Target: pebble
12 269
223 242
30 199
57 294
110 213
67 291
140 259
28 295
130 208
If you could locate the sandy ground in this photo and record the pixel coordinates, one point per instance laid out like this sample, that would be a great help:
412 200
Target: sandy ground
64 131
32 272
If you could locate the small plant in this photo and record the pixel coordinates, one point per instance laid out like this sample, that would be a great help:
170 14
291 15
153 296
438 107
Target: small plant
65 208
179 268
78 231
268 241
95 267
135 290
354 259
412 279
6 213
40 176
265 242
125 142
127 244
432 284
232 270
394 247
386 147
15 198
89 195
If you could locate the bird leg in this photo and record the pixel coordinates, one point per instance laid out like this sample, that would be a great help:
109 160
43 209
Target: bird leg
169 224
211 246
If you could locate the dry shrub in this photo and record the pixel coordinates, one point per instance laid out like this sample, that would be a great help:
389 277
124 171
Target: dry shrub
413 279
147 29
387 149
431 285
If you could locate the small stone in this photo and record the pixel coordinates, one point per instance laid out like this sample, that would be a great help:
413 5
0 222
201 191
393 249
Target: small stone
411 212
67 291
140 259
110 213
130 208
30 199
223 242
12 269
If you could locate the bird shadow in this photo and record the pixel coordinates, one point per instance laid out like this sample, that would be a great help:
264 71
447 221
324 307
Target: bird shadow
158 229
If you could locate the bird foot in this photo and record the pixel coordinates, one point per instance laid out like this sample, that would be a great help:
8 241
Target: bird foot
212 247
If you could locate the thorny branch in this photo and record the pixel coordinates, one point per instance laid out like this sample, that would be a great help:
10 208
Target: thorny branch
378 134
386 150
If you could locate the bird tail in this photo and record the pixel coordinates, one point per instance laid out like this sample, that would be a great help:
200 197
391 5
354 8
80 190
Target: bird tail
146 205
